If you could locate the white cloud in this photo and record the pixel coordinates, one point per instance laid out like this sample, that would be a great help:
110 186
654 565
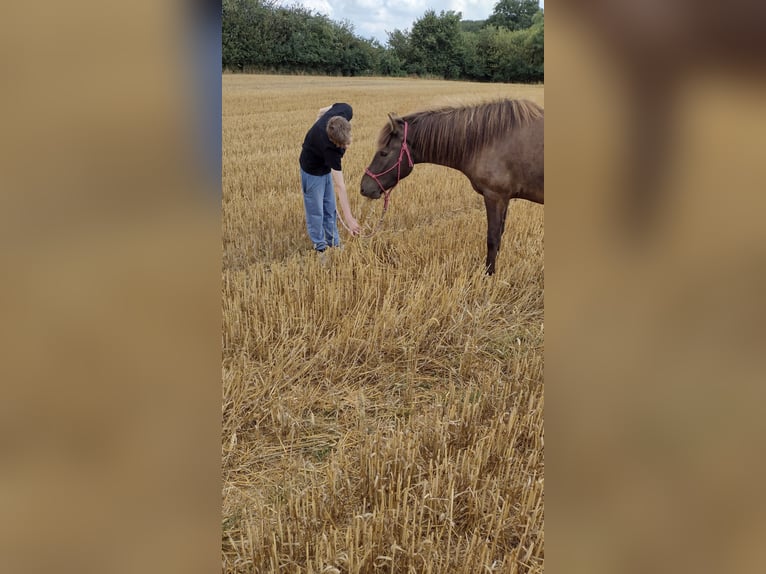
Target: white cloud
321 6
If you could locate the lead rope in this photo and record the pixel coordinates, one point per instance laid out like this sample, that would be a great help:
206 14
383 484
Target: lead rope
374 230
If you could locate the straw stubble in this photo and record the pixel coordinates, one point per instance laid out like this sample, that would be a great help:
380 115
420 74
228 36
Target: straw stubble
383 410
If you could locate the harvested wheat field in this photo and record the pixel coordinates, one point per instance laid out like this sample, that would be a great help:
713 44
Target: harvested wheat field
383 409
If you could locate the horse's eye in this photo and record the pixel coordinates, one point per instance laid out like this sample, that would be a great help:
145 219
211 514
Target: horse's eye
383 154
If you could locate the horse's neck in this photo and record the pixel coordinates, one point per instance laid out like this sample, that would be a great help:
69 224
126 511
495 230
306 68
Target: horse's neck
420 153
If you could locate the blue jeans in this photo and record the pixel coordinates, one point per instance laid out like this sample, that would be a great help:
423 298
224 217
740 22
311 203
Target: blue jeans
319 203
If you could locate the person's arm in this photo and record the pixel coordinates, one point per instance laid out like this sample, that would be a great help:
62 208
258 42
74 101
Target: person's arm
322 111
340 188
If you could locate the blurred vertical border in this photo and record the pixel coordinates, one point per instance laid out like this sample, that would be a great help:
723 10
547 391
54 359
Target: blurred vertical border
110 331
206 39
655 282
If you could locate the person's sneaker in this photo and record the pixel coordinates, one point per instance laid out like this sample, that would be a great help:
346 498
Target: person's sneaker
322 256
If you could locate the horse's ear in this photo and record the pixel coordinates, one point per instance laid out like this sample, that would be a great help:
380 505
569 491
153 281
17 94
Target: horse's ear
392 118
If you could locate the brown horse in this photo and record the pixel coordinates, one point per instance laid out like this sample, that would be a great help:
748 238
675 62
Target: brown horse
497 145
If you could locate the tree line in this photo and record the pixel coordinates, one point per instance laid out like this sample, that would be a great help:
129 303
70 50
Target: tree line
259 35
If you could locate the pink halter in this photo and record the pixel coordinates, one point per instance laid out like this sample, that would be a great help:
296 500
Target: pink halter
397 165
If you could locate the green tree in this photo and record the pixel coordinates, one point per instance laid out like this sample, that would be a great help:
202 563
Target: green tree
261 35
436 44
474 57
534 47
471 25
502 55
514 14
400 47
243 24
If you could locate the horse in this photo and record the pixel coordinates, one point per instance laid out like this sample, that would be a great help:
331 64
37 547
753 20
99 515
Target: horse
497 145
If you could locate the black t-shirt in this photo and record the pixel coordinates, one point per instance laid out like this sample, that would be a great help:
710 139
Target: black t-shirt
319 155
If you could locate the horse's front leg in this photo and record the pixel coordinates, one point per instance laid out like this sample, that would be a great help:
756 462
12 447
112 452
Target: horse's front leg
497 208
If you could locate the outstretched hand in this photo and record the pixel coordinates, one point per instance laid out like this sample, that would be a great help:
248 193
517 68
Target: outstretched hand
353 227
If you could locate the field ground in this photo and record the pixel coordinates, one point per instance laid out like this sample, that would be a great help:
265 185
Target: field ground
382 412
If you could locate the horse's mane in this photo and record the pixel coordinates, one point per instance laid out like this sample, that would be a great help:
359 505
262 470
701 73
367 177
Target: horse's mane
452 132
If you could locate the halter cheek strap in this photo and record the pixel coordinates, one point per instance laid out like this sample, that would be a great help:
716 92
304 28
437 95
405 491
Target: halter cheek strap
397 165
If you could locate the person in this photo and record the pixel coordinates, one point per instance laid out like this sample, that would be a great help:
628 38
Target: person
321 176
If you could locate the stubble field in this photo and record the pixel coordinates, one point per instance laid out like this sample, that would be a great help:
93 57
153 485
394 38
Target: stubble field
383 411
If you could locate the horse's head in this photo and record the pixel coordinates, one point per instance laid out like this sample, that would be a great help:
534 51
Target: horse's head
391 162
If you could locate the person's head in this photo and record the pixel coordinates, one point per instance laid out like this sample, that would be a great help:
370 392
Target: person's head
339 131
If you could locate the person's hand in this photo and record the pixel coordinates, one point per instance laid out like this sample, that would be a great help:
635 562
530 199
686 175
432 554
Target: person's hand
354 226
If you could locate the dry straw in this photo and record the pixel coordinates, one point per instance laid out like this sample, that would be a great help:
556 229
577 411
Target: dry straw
383 409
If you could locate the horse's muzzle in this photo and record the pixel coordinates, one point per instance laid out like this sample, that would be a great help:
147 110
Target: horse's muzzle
371 190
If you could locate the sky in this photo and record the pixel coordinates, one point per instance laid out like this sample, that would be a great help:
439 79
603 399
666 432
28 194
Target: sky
373 18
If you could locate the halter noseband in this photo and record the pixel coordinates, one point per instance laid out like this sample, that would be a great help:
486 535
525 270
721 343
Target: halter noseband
397 165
